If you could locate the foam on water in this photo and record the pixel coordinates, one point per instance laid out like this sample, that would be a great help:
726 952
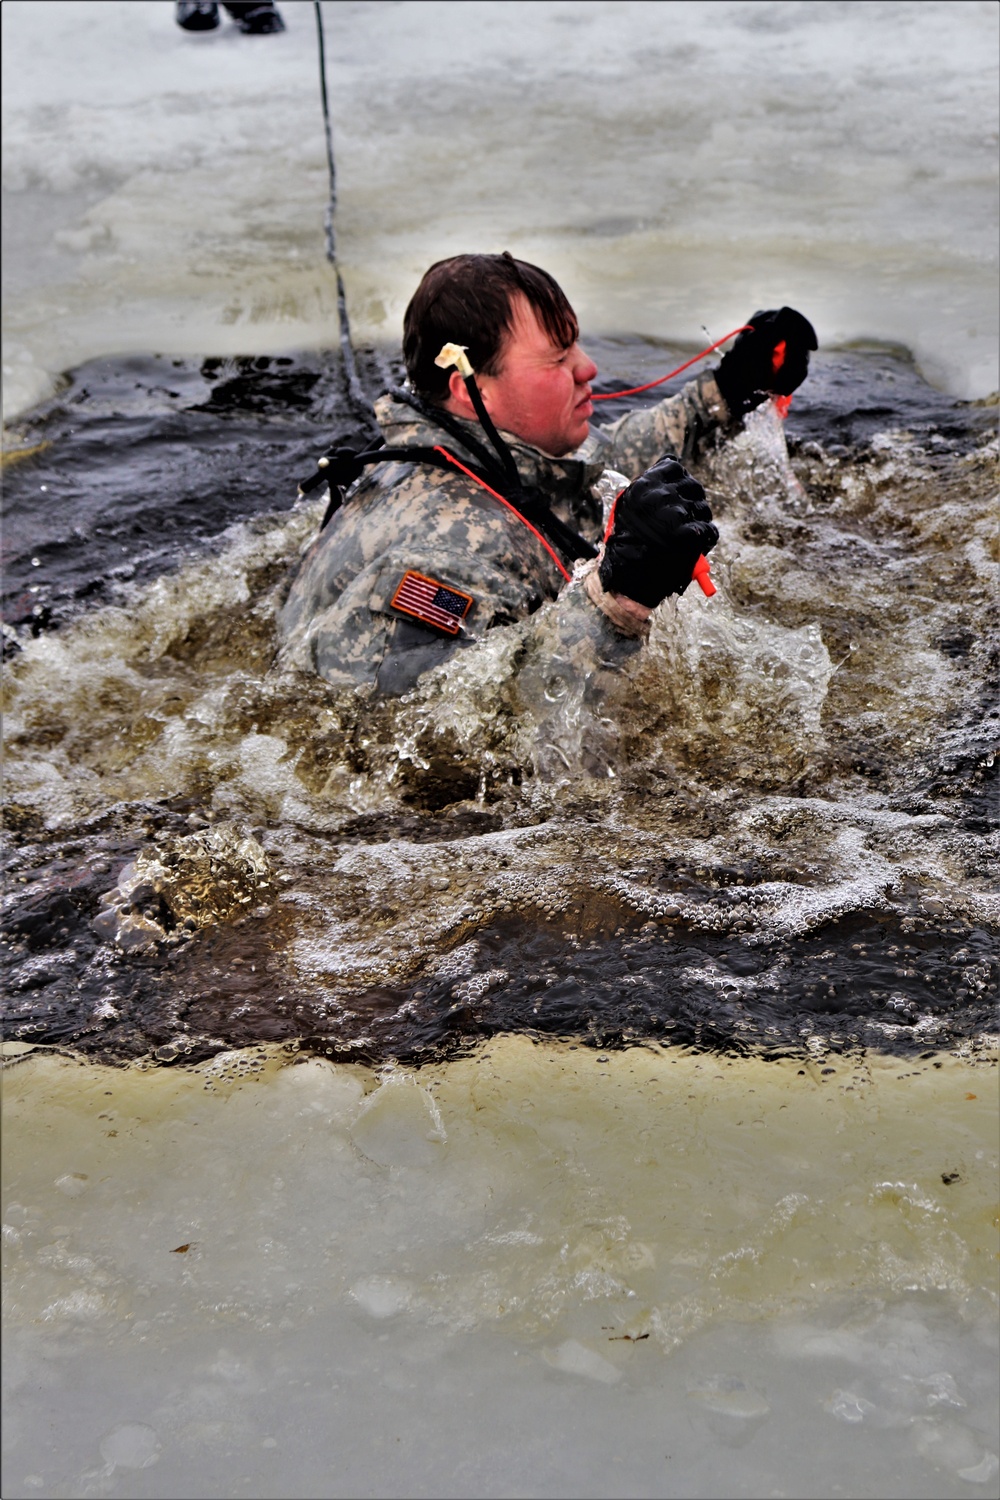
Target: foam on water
750 781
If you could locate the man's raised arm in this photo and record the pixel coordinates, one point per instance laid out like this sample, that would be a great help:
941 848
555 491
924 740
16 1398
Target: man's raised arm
770 358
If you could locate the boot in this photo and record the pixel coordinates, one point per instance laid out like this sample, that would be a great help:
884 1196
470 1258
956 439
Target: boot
197 15
260 19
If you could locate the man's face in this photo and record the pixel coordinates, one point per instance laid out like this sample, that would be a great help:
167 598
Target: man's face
542 393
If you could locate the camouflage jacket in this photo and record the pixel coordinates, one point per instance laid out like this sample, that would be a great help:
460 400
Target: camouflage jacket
339 620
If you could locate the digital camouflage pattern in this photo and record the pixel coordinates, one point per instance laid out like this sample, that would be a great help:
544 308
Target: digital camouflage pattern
337 620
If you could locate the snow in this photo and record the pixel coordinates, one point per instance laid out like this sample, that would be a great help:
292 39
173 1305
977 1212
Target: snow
675 165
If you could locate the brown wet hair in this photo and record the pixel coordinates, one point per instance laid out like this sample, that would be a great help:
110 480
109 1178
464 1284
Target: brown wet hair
468 299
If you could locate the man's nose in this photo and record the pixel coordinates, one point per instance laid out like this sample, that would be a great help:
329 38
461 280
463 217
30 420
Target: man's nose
584 368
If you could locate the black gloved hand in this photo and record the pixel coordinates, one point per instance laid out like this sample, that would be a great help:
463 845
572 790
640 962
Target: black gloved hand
772 360
662 525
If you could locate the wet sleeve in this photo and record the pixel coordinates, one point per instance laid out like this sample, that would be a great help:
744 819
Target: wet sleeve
569 680
572 629
682 425
359 637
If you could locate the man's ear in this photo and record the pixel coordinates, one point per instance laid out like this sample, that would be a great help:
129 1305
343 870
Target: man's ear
460 396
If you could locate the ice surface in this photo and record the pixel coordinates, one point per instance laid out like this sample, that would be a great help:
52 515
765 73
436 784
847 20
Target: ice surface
399 1126
132 1445
584 1289
679 165
574 1358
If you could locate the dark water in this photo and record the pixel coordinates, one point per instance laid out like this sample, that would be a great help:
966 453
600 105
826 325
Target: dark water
139 463
602 915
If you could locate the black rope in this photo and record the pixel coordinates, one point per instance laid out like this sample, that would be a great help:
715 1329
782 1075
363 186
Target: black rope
506 479
451 424
503 452
355 390
341 466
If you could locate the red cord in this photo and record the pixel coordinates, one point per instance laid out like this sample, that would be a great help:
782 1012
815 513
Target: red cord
636 390
610 396
513 508
611 517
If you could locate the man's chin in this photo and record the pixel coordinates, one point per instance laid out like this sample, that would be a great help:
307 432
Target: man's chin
560 445
577 434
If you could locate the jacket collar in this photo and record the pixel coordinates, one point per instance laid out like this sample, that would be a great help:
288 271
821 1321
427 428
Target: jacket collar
402 427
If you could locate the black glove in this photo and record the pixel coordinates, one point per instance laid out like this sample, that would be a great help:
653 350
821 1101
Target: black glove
662 525
772 360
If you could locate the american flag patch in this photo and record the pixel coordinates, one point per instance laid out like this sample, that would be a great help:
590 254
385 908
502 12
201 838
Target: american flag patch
434 603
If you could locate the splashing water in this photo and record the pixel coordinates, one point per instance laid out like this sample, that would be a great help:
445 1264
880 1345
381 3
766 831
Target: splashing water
772 818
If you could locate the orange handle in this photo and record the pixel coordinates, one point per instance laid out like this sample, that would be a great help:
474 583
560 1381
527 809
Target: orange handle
701 577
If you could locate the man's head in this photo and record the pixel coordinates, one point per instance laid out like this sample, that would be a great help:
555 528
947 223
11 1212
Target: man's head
521 335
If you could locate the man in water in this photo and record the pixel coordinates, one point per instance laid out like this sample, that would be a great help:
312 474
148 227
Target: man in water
510 498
